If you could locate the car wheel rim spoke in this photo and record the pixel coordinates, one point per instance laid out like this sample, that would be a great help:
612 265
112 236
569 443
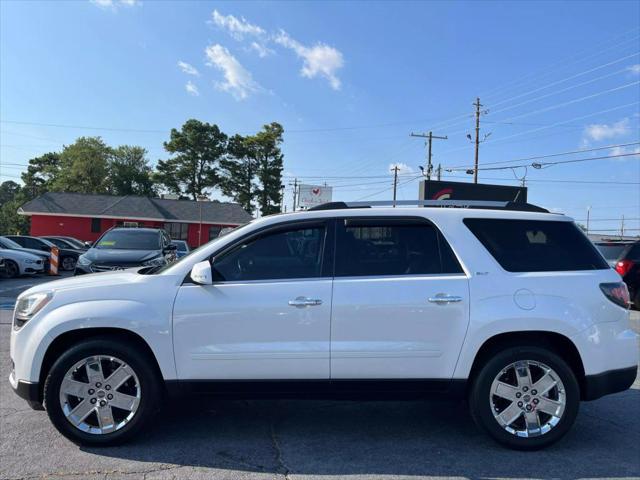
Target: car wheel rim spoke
100 394
527 398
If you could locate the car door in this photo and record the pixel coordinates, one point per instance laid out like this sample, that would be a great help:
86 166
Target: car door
400 301
267 314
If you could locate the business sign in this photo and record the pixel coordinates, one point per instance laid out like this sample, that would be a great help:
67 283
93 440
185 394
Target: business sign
436 190
313 195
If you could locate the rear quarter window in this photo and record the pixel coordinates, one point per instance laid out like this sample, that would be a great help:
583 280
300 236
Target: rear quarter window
536 245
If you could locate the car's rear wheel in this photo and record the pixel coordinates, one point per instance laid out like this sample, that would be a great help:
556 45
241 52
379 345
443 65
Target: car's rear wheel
10 270
525 397
101 392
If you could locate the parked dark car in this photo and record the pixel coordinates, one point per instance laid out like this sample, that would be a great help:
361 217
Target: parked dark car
612 249
181 248
67 256
11 245
122 248
66 242
628 266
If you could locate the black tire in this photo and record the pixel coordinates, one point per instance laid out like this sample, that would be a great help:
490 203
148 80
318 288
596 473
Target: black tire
68 263
10 270
481 407
141 365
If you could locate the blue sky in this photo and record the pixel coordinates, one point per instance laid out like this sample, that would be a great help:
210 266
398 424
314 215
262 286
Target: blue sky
348 80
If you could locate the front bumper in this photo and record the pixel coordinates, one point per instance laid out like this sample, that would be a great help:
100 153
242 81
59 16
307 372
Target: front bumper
28 391
612 381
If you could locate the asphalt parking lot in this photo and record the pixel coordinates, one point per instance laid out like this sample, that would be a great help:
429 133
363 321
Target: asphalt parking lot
312 439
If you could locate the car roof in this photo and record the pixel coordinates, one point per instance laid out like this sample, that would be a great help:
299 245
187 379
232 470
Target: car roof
137 229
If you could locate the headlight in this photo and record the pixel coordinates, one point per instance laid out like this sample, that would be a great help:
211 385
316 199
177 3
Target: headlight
155 262
28 306
29 261
82 260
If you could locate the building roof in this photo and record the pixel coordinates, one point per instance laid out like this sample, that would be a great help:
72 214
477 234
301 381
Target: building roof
135 208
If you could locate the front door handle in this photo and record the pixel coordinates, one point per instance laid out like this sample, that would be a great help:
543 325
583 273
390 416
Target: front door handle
441 299
301 302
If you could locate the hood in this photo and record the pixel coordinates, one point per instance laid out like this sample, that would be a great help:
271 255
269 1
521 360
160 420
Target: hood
93 280
118 256
17 255
33 251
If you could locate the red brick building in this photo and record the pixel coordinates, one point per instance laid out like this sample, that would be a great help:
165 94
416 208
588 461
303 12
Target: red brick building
86 216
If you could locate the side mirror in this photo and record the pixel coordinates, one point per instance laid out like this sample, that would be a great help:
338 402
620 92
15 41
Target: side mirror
201 273
88 244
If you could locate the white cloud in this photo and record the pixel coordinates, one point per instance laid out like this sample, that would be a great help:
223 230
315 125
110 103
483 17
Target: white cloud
624 151
237 80
114 4
635 69
237 27
402 167
603 131
261 49
188 68
319 60
192 89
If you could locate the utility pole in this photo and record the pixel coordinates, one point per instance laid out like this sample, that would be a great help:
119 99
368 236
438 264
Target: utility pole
622 227
395 183
588 217
295 192
430 136
475 163
439 171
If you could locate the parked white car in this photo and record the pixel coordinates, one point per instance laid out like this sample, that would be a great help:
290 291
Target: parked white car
509 306
18 263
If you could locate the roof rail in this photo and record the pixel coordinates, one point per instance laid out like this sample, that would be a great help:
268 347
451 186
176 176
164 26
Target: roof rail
484 204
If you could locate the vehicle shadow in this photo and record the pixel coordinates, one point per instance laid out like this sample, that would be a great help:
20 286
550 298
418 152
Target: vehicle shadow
380 438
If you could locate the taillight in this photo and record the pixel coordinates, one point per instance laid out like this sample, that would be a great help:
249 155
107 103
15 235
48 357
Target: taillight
623 266
617 293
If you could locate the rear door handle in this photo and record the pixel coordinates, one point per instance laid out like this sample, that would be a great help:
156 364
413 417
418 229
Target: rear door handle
444 299
301 302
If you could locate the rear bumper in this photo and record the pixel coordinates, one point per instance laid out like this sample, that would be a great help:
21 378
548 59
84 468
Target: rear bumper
613 381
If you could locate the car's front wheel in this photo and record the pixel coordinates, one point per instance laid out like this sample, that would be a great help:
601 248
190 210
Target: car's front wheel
525 397
101 392
68 263
10 270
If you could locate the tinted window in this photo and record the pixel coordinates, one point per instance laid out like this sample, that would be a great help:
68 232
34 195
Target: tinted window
284 254
130 240
633 253
374 247
59 243
611 251
536 246
8 243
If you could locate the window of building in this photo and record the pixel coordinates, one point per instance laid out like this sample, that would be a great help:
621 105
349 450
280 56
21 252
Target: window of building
177 231
285 254
214 232
96 225
535 245
371 247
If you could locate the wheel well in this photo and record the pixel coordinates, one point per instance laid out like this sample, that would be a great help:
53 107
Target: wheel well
555 342
68 339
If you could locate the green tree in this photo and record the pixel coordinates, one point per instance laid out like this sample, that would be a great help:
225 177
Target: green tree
10 200
129 172
41 173
237 173
197 149
265 148
84 167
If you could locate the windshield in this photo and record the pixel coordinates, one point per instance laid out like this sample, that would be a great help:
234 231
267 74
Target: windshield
74 243
129 240
8 243
611 252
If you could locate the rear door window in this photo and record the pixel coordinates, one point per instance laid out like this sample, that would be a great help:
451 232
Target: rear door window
536 245
382 247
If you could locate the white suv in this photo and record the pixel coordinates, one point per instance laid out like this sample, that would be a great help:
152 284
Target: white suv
509 306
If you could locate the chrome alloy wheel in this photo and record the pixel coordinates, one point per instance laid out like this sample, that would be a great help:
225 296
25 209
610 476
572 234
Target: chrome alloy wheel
527 398
100 394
